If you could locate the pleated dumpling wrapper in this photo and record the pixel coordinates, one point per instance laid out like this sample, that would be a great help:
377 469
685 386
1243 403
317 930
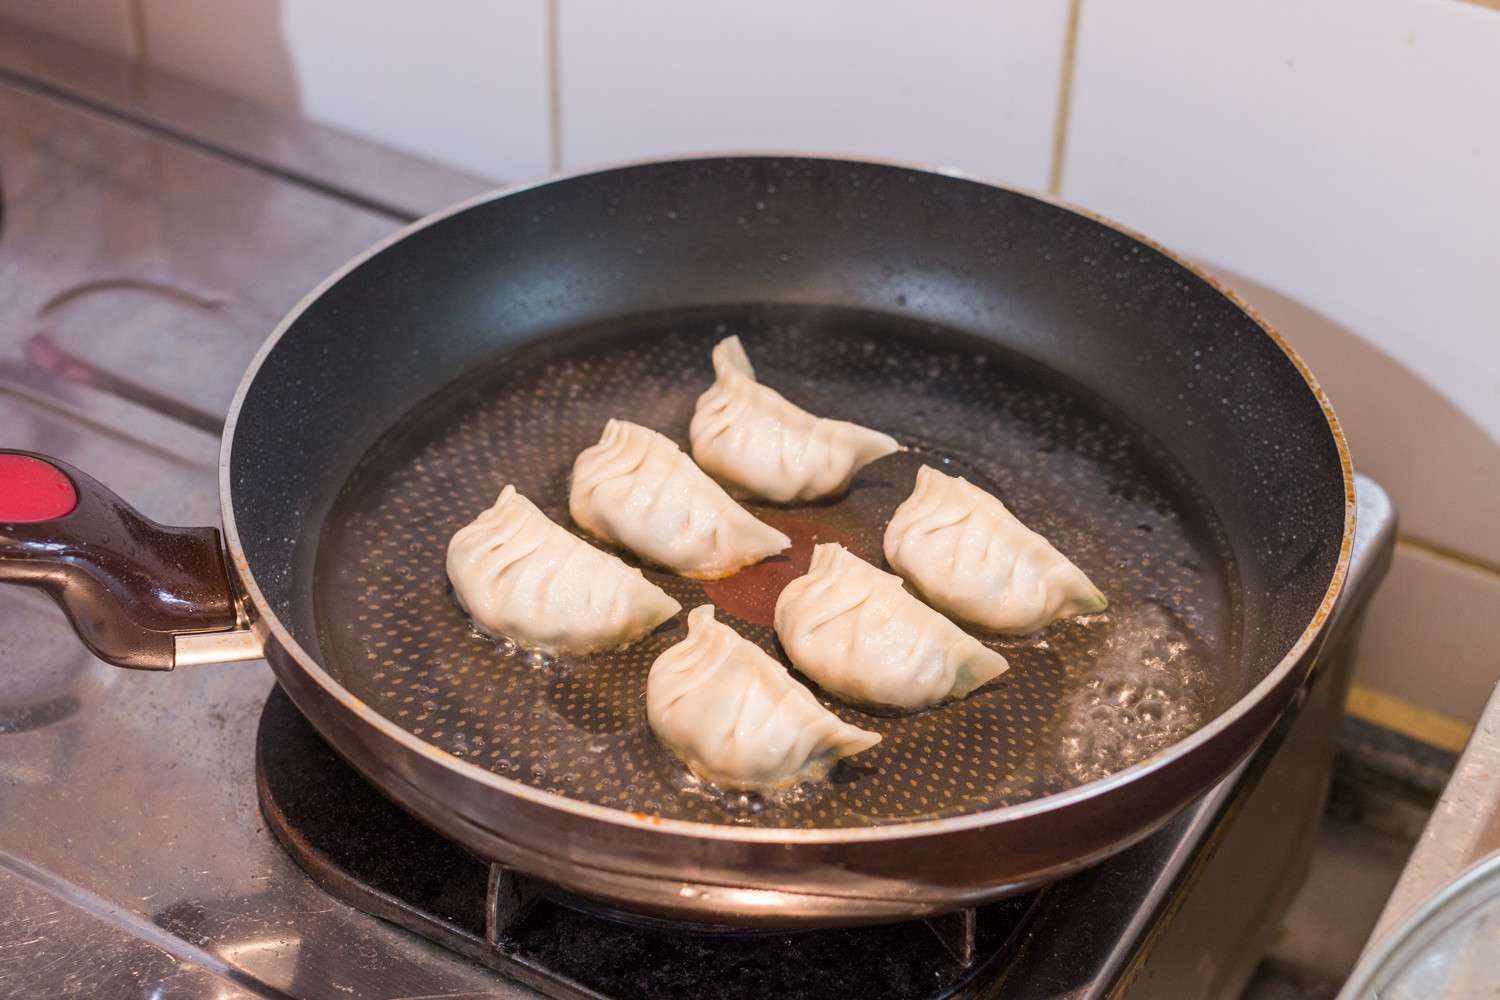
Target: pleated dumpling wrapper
966 554
737 718
750 436
637 489
520 576
857 632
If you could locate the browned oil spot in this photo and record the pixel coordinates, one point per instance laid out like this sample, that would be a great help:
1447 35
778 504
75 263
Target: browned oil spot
751 593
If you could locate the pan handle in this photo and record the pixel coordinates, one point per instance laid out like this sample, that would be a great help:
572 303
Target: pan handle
139 594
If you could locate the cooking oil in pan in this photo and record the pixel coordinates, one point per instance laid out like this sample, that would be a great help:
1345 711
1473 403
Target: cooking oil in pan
1082 699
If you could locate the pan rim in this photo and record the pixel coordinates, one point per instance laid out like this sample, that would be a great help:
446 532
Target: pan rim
268 619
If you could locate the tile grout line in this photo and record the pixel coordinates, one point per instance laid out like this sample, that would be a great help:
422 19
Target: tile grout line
1064 101
1474 564
554 89
140 41
1388 711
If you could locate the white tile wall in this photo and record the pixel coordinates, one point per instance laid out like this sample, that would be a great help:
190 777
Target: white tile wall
1337 162
235 45
1439 465
104 24
461 81
1433 636
965 83
1343 154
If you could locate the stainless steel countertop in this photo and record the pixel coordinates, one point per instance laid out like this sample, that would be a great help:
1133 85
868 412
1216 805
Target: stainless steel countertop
316 156
133 857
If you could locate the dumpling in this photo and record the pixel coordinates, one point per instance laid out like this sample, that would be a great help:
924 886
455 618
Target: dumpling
520 576
637 489
736 717
966 554
749 436
857 632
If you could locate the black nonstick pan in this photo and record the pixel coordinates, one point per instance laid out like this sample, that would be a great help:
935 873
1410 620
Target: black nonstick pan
1116 399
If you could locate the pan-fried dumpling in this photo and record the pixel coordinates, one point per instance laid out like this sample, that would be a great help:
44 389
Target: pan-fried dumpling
736 717
966 554
520 576
637 489
857 632
750 436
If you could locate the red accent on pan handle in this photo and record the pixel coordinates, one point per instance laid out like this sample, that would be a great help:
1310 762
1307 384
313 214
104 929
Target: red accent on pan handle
128 585
33 490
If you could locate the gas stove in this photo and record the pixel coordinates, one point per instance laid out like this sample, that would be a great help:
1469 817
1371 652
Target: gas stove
189 835
368 853
1082 937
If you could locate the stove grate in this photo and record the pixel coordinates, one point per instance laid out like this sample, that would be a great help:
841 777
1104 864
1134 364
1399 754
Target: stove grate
367 852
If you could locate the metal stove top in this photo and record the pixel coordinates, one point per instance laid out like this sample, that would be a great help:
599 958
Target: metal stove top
138 273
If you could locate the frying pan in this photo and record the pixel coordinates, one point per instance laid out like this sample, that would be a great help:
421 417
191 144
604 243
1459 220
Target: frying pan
1116 398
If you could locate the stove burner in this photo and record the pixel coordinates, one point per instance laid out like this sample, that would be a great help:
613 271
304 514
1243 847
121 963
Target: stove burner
364 850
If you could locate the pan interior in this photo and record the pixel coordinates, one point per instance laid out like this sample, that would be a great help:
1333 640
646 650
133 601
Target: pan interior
1081 700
